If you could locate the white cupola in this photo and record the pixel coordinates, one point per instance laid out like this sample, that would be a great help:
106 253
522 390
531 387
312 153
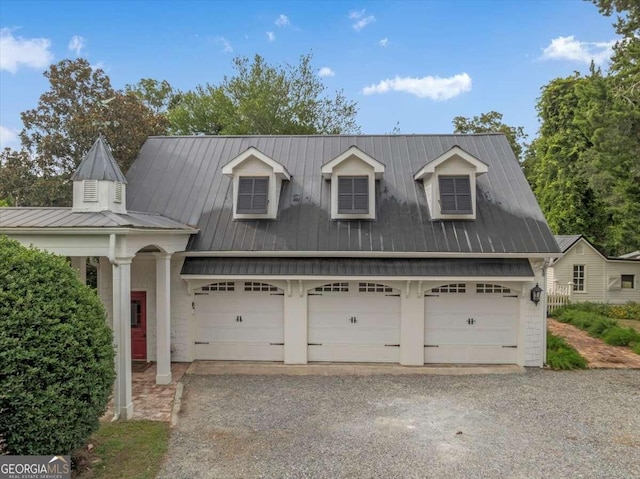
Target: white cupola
98 183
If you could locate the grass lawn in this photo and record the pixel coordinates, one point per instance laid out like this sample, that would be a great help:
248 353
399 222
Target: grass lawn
126 450
630 323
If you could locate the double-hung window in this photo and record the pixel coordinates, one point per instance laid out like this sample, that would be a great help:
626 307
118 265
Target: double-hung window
578 277
353 194
252 195
455 195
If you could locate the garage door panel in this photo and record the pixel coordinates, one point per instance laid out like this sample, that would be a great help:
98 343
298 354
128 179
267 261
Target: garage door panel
471 328
350 353
470 355
239 325
354 327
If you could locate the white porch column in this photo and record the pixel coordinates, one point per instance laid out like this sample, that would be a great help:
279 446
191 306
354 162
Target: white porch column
412 325
123 404
295 323
163 318
79 263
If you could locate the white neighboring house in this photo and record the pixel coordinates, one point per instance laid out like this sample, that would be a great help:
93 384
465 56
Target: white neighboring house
409 249
591 276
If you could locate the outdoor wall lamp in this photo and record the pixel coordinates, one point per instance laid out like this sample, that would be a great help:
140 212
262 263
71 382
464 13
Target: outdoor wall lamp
536 292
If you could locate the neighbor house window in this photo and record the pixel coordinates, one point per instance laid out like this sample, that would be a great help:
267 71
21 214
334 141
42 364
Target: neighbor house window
353 194
628 281
578 277
252 195
455 195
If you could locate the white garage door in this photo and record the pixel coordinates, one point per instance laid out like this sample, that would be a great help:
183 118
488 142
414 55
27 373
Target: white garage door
239 321
354 322
473 323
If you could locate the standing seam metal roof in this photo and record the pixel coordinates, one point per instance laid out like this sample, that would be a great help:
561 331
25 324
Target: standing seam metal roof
181 177
445 267
99 164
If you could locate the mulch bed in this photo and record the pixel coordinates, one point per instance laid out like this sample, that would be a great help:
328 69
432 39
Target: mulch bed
598 354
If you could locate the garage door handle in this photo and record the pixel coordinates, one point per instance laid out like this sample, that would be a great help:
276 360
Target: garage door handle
353 320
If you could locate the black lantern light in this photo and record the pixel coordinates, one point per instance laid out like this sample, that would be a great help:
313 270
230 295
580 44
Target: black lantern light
536 292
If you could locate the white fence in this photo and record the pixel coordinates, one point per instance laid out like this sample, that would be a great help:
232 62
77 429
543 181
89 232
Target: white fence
558 295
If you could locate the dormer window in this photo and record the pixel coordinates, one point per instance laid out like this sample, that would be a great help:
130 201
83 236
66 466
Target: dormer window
455 195
353 194
253 195
353 175
256 180
450 184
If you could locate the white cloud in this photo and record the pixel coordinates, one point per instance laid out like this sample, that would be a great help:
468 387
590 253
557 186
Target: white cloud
76 44
326 72
435 88
282 20
226 45
568 48
17 51
271 36
8 137
361 19
384 42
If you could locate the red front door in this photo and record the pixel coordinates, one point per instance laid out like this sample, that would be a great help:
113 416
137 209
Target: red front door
138 325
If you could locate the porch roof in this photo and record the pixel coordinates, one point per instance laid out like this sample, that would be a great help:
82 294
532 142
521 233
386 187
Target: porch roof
11 218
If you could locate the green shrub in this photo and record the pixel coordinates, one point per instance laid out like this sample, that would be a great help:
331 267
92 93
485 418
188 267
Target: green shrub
599 326
618 336
562 356
601 309
56 354
636 348
625 311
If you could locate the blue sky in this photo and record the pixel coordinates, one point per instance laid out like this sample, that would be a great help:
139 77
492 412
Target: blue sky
418 63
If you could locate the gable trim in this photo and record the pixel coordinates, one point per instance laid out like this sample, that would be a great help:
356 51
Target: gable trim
378 168
429 168
253 152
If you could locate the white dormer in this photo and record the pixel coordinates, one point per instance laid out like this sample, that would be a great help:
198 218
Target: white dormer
257 180
450 184
98 183
353 175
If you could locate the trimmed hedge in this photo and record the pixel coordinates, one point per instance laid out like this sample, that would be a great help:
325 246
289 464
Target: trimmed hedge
562 356
56 354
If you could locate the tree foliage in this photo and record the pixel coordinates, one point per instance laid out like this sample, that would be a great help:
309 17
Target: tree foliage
264 99
491 122
57 133
56 354
585 165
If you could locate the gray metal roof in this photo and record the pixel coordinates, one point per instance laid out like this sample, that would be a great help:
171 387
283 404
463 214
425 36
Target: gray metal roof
65 218
99 164
454 267
180 177
566 241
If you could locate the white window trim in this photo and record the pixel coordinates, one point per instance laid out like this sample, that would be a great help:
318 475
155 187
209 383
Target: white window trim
584 279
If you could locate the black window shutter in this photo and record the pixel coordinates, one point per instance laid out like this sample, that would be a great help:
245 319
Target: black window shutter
252 195
353 194
455 195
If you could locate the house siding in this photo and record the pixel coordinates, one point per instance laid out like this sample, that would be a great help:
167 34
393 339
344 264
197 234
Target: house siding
594 272
598 270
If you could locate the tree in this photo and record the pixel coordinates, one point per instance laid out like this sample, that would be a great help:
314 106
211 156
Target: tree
79 104
56 354
491 122
158 96
264 99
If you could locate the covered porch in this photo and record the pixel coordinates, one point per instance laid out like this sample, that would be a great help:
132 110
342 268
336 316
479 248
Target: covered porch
116 239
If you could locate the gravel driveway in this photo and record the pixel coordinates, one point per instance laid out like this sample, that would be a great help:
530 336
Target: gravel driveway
534 425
